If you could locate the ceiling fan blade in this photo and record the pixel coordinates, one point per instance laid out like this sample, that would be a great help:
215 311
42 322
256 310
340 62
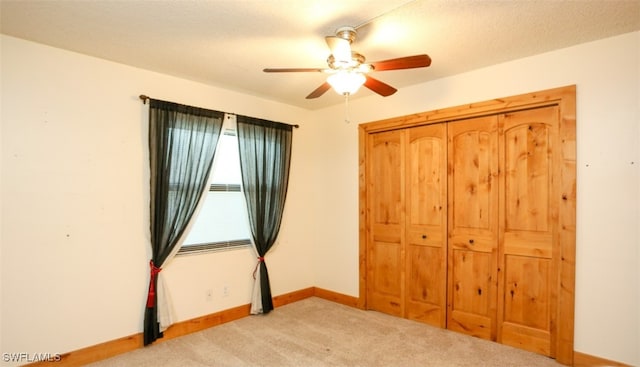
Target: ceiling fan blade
340 48
319 91
292 70
379 87
409 62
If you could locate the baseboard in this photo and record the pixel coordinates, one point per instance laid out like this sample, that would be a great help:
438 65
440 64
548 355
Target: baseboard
336 297
285 299
585 360
130 343
126 344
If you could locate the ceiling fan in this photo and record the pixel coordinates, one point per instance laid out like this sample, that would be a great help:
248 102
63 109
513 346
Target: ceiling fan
348 70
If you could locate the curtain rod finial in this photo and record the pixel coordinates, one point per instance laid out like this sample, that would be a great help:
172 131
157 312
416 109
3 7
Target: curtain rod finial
144 98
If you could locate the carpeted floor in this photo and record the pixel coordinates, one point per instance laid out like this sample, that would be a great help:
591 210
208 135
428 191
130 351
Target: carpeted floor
315 332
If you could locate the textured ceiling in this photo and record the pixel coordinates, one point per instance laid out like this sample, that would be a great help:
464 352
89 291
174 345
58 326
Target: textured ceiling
228 43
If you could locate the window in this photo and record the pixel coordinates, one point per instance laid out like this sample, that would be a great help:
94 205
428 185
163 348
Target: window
221 222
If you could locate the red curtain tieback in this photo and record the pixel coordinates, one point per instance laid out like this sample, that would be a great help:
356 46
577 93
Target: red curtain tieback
151 297
260 260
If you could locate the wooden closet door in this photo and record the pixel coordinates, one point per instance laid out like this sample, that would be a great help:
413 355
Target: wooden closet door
385 255
528 213
426 224
473 226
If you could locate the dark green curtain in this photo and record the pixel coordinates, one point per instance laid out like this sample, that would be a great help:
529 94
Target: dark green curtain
182 142
265 155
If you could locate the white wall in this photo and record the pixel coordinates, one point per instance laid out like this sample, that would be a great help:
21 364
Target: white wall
75 202
607 75
75 192
1 206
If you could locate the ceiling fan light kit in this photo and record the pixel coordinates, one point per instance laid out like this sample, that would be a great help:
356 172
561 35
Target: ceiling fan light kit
348 69
346 82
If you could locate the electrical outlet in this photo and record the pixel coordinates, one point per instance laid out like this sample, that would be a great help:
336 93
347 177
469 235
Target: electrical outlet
225 291
209 295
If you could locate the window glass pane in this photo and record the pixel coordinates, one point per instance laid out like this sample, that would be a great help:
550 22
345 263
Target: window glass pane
223 215
226 167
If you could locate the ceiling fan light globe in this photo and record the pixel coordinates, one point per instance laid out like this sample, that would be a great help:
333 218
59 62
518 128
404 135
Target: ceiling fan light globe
346 82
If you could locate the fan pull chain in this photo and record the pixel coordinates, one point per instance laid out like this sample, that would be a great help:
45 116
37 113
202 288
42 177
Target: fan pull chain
346 108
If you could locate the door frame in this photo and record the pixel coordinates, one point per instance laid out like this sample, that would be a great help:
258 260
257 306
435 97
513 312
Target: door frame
565 99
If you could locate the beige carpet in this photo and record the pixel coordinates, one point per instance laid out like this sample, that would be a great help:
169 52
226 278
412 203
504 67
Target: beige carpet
316 332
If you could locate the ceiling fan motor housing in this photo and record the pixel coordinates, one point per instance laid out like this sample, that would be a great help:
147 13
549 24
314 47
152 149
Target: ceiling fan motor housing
356 61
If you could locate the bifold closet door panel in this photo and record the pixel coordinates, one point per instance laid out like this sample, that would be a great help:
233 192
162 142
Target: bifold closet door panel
473 226
426 224
528 287
385 195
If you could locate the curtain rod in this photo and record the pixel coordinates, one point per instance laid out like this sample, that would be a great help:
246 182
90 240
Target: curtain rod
145 98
